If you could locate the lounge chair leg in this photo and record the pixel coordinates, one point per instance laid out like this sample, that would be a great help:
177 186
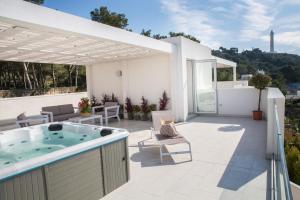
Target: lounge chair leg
118 118
106 121
190 151
161 156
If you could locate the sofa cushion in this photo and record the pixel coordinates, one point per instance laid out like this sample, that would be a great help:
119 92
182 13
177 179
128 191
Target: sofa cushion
108 104
64 117
54 109
66 109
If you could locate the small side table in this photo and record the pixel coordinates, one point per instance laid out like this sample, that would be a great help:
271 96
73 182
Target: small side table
82 119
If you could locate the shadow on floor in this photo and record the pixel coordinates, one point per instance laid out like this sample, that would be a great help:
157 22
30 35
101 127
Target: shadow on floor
230 128
149 156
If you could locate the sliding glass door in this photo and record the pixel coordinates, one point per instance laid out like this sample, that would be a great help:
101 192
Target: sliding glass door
205 98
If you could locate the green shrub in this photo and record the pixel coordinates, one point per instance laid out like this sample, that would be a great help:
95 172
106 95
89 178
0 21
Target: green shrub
293 163
136 112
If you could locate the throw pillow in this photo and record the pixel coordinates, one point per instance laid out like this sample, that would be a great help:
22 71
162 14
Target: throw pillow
21 117
168 130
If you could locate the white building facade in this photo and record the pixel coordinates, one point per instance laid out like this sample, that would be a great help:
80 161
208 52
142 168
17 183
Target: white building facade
120 62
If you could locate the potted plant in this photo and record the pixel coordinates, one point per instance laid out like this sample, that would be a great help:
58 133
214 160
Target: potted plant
163 102
121 111
129 108
260 82
145 109
105 98
84 107
136 112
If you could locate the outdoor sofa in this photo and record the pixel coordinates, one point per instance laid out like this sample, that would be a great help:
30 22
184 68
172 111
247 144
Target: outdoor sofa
59 112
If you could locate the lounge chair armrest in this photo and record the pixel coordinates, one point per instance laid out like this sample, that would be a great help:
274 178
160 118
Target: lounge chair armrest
33 119
95 107
49 114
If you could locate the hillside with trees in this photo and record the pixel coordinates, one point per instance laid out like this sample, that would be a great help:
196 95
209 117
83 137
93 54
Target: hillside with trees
282 67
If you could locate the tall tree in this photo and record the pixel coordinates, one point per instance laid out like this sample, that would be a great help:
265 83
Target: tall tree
26 74
39 2
35 80
76 76
53 76
103 15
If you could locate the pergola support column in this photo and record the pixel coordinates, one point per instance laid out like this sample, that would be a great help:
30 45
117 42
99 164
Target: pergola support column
234 74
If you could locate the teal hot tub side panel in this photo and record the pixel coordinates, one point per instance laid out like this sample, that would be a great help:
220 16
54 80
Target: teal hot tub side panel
115 166
78 177
28 186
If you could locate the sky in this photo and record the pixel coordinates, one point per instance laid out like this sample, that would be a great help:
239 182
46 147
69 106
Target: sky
244 24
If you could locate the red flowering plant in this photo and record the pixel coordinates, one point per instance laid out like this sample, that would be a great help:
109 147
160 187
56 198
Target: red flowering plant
145 109
163 102
84 105
129 108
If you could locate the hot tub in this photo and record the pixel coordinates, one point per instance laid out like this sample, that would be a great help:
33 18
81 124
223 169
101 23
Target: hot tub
77 162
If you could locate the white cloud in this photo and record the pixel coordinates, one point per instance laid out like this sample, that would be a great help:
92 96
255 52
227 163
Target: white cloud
292 2
257 18
192 21
289 22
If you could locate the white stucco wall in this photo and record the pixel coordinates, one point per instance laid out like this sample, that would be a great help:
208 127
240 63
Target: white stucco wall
10 108
190 86
239 101
104 79
186 49
147 76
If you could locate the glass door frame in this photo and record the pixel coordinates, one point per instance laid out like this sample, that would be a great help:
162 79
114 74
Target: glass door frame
214 63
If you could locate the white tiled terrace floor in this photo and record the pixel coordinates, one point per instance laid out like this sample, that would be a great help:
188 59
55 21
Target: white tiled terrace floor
228 162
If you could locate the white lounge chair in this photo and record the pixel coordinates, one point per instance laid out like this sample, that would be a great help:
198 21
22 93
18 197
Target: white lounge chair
31 120
161 140
111 110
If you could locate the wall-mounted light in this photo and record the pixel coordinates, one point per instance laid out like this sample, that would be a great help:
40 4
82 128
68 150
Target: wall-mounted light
119 73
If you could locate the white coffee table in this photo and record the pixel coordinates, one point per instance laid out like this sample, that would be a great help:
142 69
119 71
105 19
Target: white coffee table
82 119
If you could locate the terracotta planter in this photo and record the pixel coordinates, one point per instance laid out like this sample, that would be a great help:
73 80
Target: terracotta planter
85 114
257 115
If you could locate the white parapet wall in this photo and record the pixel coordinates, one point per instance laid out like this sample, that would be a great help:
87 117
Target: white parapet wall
232 84
274 97
295 191
239 101
10 108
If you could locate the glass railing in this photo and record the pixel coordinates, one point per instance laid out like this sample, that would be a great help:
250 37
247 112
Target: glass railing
281 187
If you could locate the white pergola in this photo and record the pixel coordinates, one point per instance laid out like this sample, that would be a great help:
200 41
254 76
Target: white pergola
33 33
223 63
